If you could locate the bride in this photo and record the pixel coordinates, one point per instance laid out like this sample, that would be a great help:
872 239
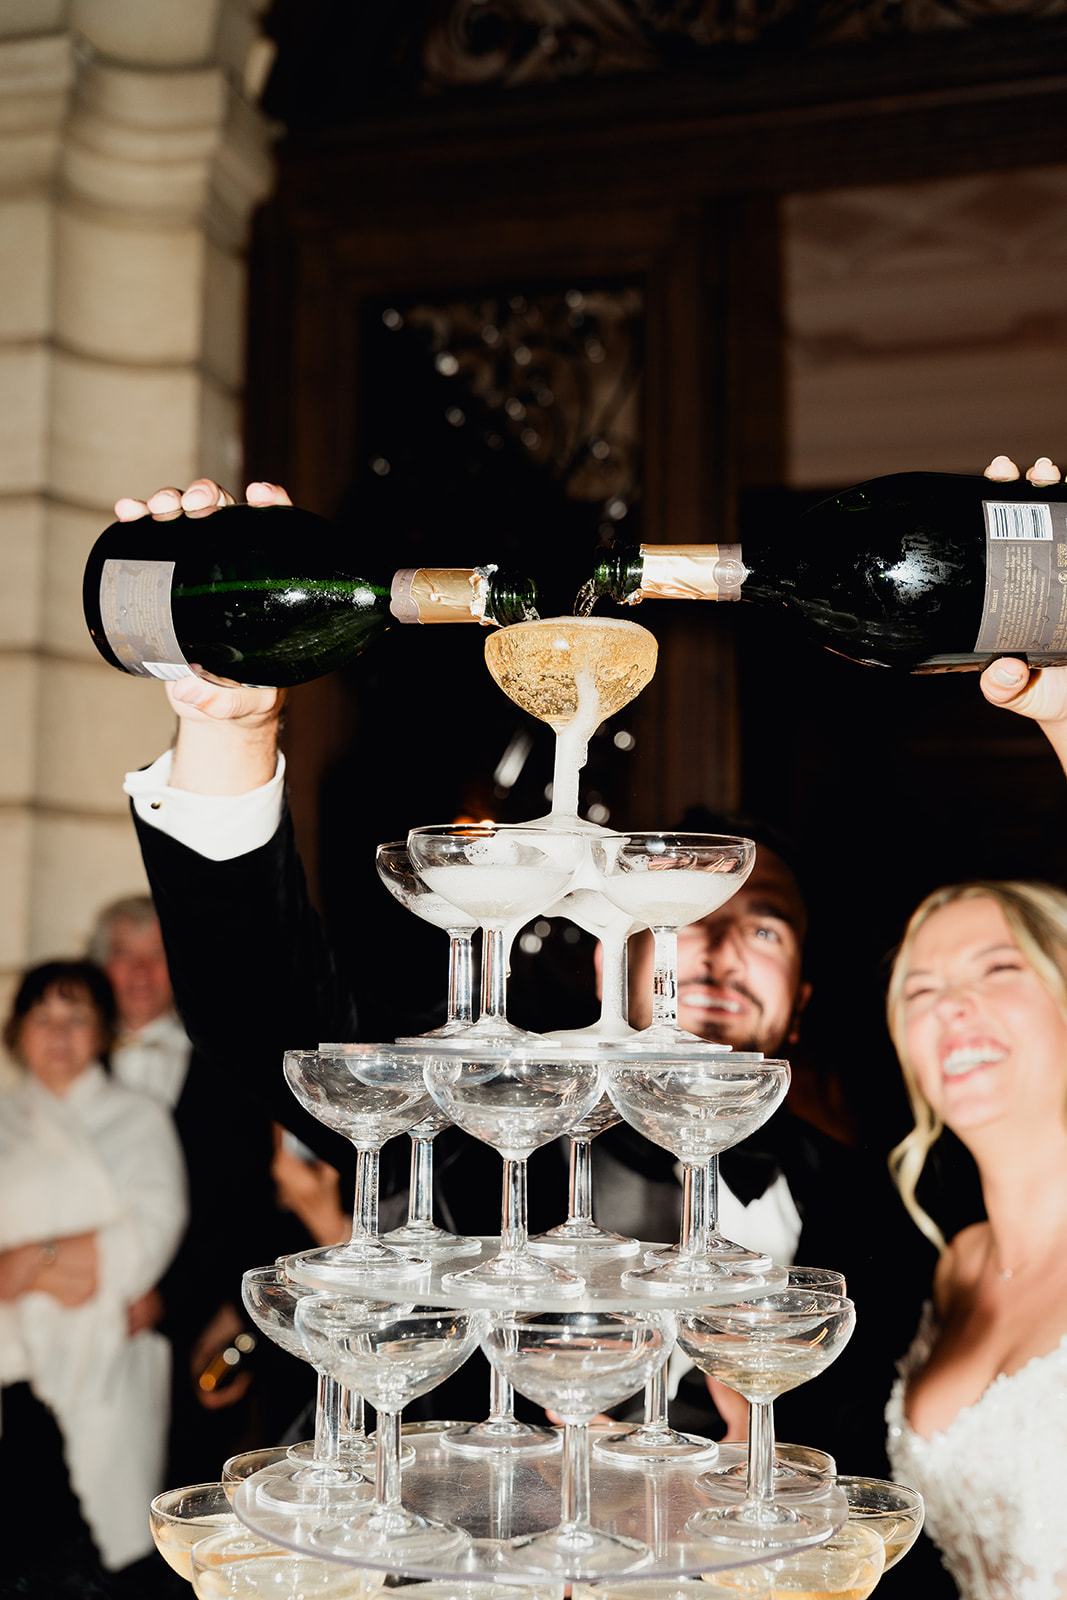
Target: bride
978 1012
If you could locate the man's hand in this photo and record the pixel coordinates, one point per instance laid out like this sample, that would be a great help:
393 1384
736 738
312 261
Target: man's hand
311 1190
1002 469
221 1331
202 497
227 732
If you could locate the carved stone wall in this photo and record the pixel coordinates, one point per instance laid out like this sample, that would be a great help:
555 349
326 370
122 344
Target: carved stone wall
131 154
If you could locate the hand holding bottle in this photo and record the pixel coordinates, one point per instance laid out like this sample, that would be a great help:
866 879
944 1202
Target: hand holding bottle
227 733
1039 693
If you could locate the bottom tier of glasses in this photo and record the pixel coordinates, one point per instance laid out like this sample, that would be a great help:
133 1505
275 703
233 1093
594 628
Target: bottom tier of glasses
497 1502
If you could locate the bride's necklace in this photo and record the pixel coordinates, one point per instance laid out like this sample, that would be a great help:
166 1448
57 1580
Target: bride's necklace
1006 1274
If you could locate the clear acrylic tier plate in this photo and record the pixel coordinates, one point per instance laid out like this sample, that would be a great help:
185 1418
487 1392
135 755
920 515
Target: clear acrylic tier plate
604 1290
497 1500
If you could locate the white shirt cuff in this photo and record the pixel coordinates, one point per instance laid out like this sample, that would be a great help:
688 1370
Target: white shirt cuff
218 826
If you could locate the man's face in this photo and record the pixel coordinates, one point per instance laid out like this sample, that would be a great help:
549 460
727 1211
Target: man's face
137 967
739 968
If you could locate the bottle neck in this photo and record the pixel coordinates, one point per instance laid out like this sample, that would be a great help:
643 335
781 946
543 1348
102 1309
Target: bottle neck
462 594
671 572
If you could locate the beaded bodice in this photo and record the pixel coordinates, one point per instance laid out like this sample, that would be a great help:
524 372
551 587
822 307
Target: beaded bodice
994 1480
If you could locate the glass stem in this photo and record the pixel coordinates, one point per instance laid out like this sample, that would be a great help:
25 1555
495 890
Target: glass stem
420 1188
760 1451
580 1183
501 1398
574 1489
713 1195
615 999
694 1211
494 975
353 1422
327 1418
665 977
365 1212
387 1460
460 977
656 1404
513 1207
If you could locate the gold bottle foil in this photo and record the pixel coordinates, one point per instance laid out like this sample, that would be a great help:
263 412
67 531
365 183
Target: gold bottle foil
692 571
438 594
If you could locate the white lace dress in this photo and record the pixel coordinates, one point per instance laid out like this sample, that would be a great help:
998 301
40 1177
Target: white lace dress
995 1480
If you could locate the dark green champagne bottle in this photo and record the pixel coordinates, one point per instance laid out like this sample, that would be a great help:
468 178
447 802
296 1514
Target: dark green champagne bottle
921 570
265 595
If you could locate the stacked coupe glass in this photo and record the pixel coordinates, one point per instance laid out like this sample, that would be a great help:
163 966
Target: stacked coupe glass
579 1319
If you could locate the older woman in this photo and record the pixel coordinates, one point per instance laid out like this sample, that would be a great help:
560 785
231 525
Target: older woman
978 1419
92 1203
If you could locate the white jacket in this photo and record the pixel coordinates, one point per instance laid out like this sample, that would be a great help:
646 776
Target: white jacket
100 1158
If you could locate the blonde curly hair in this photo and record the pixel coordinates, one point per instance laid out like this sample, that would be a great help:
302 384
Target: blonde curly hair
1036 913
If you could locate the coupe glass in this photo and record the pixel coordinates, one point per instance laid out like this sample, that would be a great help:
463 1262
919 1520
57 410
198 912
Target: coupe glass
762 1348
664 881
396 871
271 1299
695 1106
179 1517
573 673
391 1356
500 876
580 1233
804 1470
894 1511
578 1363
848 1565
368 1093
240 1566
514 1100
420 1233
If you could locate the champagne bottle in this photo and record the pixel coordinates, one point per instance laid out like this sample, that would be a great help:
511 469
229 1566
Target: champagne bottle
265 595
922 570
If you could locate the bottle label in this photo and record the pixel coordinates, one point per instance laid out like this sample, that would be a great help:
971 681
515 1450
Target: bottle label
135 612
1025 605
691 571
439 594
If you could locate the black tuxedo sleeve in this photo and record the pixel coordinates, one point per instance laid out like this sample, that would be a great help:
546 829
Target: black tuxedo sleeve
252 971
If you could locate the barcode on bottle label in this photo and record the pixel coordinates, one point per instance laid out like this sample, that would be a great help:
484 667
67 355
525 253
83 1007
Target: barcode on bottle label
1025 607
135 612
1007 520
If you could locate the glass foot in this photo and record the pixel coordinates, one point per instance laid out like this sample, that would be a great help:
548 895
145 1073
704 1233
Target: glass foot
760 1523
348 1263
492 1031
423 1238
799 1469
330 1487
505 1436
693 1275
383 1532
668 1036
609 1031
576 1551
718 1249
573 1236
651 1447
516 1273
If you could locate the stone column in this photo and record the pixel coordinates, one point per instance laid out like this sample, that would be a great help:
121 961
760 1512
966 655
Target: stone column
131 154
